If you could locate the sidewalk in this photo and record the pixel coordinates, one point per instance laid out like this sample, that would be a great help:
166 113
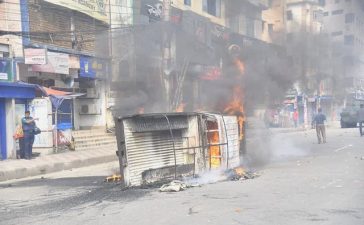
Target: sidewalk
20 168
287 130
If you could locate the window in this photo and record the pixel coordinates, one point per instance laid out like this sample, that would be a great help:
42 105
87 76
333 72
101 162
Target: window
270 28
212 7
250 27
337 33
234 23
326 13
187 2
322 2
337 1
349 39
349 18
289 15
337 12
318 15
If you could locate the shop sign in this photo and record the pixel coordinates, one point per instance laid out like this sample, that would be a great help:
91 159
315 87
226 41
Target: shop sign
5 69
37 56
74 62
211 73
56 63
93 8
91 67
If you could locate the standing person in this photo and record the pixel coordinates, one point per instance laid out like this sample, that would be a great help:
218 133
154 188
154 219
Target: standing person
295 118
28 124
361 119
319 121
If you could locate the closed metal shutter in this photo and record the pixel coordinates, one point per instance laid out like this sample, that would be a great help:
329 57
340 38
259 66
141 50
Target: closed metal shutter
150 150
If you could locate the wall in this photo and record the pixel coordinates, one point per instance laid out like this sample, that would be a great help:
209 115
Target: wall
61 22
196 6
10 127
91 121
10 21
303 17
275 15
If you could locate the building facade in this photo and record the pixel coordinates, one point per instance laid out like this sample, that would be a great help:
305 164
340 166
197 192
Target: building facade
344 24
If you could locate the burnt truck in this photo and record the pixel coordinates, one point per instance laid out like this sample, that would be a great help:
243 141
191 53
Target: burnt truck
162 146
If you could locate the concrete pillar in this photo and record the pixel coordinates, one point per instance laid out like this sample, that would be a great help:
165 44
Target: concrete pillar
10 128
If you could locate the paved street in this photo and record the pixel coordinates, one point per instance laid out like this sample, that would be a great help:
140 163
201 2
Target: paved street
303 183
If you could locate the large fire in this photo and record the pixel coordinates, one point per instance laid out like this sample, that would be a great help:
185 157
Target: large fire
215 157
236 105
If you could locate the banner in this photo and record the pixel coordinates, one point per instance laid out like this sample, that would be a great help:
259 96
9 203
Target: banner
74 62
56 63
37 56
93 8
92 67
5 70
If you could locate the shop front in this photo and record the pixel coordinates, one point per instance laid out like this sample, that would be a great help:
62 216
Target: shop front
14 99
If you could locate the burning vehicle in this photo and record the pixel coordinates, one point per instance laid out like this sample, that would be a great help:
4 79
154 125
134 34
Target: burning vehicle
162 146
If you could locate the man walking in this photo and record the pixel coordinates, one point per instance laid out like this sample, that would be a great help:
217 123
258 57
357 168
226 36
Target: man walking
361 119
28 125
320 126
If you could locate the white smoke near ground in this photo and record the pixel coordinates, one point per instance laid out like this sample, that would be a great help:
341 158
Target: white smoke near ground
209 177
285 149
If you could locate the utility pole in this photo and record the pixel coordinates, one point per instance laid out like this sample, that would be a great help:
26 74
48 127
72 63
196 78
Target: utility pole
166 52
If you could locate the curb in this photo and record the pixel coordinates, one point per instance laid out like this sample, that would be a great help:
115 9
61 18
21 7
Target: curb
34 168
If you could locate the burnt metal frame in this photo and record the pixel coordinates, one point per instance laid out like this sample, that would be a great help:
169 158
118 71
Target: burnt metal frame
174 147
122 147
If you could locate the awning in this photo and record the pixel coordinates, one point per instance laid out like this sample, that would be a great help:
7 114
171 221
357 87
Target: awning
17 90
56 96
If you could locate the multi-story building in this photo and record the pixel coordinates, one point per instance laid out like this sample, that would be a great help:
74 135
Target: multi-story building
274 22
12 94
344 24
58 45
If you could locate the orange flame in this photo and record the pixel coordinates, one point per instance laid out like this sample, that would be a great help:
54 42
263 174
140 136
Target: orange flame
236 106
181 107
240 65
214 149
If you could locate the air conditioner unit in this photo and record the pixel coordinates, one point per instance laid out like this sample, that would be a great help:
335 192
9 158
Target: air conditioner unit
90 109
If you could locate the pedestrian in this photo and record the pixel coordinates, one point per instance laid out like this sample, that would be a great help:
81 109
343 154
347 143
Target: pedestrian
19 136
295 118
319 122
28 125
361 119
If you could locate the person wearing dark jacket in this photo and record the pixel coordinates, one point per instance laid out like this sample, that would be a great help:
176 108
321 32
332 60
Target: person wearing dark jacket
361 119
319 121
28 124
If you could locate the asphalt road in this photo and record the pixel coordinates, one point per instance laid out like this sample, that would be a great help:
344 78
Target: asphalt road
300 182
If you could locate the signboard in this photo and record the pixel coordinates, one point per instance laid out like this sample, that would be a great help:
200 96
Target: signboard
5 70
74 62
91 67
36 56
56 63
211 73
153 9
93 8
